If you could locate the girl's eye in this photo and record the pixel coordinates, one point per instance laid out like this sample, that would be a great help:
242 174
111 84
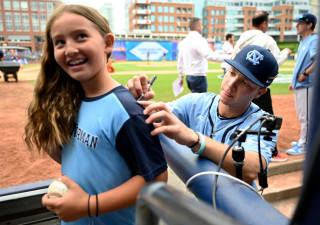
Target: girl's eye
59 42
81 36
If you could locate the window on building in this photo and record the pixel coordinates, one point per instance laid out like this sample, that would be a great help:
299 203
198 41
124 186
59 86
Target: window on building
171 28
42 6
179 19
190 10
218 12
213 12
248 21
153 28
19 38
166 28
1 22
184 10
217 30
24 5
43 21
222 30
153 8
222 12
171 9
166 19
178 10
34 6
178 29
160 9
184 29
7 4
212 21
217 21
17 22
160 28
15 5
171 19
166 9
50 8
25 22
35 22
160 19
1 38
153 18
9 22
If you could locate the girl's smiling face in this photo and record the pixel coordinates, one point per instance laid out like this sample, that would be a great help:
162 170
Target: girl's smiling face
79 48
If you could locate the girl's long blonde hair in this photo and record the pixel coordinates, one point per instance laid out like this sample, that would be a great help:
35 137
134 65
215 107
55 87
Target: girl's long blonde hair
56 99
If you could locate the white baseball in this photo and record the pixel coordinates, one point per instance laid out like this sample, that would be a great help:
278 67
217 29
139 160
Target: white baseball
57 189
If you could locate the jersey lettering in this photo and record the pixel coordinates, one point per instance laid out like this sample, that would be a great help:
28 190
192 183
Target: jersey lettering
87 139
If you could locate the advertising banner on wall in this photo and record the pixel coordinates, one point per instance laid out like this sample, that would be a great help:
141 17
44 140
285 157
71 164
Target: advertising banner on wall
156 50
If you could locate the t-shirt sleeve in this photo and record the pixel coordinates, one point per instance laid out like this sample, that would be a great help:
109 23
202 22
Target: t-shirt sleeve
142 152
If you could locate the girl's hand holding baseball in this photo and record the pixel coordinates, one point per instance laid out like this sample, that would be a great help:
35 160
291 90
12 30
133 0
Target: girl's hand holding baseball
72 206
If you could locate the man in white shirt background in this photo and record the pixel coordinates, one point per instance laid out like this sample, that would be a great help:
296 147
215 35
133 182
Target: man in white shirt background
194 51
227 49
257 36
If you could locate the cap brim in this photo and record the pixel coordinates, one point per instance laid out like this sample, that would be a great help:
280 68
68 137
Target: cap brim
244 71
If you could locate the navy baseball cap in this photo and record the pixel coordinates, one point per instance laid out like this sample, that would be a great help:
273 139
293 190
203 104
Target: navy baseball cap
257 64
307 18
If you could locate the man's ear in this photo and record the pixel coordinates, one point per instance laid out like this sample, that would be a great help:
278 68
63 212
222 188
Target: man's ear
262 91
109 41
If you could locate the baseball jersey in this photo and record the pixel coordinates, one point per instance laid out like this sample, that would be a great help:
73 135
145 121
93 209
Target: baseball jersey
193 110
111 143
306 55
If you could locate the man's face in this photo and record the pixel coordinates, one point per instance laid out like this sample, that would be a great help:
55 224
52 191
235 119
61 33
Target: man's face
199 27
237 90
265 25
302 27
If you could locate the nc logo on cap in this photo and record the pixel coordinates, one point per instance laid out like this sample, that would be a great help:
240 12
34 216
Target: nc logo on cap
254 57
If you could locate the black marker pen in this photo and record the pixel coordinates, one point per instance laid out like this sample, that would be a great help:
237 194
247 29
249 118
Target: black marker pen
150 83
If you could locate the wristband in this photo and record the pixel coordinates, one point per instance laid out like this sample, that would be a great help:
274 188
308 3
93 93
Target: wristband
203 144
305 74
97 205
196 142
89 206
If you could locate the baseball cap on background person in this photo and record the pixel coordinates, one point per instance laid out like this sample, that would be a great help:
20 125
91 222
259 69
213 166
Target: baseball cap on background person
307 18
257 64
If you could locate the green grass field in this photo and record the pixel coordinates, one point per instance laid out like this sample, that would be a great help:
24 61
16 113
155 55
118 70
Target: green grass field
163 84
167 73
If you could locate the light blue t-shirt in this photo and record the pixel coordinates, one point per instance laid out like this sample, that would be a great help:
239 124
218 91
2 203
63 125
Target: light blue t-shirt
193 110
111 143
306 55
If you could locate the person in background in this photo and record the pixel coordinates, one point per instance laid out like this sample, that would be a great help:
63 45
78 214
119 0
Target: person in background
257 36
205 121
90 123
227 49
194 51
1 55
303 74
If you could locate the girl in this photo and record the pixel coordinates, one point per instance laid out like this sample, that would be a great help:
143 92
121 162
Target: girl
89 123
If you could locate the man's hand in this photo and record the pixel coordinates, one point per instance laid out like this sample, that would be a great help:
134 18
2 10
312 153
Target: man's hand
301 78
139 85
181 81
167 123
290 87
289 50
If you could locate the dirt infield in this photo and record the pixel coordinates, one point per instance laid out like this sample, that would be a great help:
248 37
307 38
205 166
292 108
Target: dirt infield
18 166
